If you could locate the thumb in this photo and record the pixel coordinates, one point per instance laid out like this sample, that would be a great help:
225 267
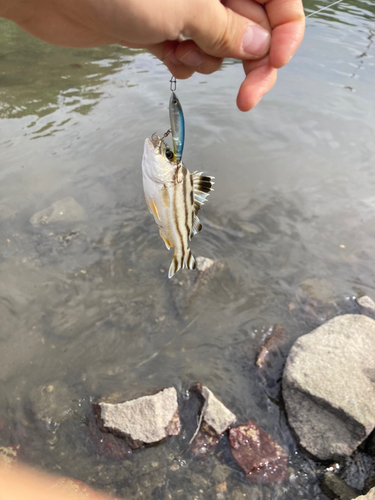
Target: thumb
221 32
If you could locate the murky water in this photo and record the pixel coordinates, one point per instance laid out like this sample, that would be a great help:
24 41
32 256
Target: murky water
85 305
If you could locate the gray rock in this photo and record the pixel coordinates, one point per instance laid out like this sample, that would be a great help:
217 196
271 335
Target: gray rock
65 210
369 496
366 302
215 414
148 419
329 386
333 485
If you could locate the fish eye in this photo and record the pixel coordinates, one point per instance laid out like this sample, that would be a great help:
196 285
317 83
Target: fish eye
169 154
175 101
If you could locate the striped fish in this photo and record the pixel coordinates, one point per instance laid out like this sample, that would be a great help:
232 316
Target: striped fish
173 196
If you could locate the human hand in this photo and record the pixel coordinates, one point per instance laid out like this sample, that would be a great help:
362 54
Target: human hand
234 28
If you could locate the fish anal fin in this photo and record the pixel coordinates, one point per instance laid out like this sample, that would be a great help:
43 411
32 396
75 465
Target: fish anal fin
189 261
197 226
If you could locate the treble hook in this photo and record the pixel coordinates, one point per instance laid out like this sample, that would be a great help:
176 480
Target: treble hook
173 83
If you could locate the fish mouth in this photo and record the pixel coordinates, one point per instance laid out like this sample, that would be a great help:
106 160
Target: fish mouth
155 140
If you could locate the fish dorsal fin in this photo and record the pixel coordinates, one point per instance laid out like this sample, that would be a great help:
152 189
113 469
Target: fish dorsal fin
197 226
202 186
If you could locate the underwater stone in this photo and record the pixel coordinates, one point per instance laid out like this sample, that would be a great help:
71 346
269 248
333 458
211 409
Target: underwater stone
215 414
216 419
366 302
329 386
334 485
145 420
262 459
65 210
53 403
369 496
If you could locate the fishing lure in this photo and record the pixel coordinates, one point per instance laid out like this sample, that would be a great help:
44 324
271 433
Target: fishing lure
176 117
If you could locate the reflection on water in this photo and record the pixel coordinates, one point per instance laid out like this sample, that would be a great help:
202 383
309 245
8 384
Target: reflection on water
87 309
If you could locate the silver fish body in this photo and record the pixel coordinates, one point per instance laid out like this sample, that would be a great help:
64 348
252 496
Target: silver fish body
174 197
176 117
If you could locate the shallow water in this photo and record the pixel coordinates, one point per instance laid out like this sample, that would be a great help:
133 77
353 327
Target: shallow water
87 307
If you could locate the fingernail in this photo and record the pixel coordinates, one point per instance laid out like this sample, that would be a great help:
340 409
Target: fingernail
256 41
193 58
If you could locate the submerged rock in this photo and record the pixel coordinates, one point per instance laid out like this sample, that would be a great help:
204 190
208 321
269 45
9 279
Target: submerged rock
188 287
215 414
106 444
366 302
53 403
205 442
216 419
276 338
145 420
335 487
328 386
65 210
369 496
262 459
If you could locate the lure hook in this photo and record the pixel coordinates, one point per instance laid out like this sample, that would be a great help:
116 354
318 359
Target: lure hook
173 83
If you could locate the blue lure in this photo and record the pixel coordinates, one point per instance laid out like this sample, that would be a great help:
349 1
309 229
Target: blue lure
176 117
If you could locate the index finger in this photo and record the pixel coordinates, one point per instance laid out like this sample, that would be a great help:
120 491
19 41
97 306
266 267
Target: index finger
287 21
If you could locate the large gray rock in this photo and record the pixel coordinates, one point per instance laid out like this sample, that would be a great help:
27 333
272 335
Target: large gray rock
148 419
329 386
64 210
369 496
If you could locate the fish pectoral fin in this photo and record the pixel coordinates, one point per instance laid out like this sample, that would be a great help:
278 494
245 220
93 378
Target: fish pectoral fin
148 205
197 226
202 186
154 209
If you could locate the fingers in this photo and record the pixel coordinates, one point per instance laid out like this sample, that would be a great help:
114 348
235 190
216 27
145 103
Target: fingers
285 41
185 58
287 20
221 32
260 78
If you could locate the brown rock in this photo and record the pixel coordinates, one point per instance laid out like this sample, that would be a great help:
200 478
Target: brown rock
276 338
205 442
258 454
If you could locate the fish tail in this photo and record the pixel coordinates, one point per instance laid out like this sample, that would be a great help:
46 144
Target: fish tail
189 261
185 261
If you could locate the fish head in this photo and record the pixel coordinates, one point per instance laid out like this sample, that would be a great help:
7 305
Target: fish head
157 163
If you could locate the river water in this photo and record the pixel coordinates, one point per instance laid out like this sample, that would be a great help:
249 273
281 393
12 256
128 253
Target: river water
87 310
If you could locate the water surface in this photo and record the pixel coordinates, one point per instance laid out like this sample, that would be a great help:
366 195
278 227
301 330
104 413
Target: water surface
86 305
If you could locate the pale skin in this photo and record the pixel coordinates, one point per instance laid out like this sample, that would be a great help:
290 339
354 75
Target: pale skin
214 29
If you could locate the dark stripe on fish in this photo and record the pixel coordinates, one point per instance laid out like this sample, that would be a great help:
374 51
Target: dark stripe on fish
185 203
176 218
